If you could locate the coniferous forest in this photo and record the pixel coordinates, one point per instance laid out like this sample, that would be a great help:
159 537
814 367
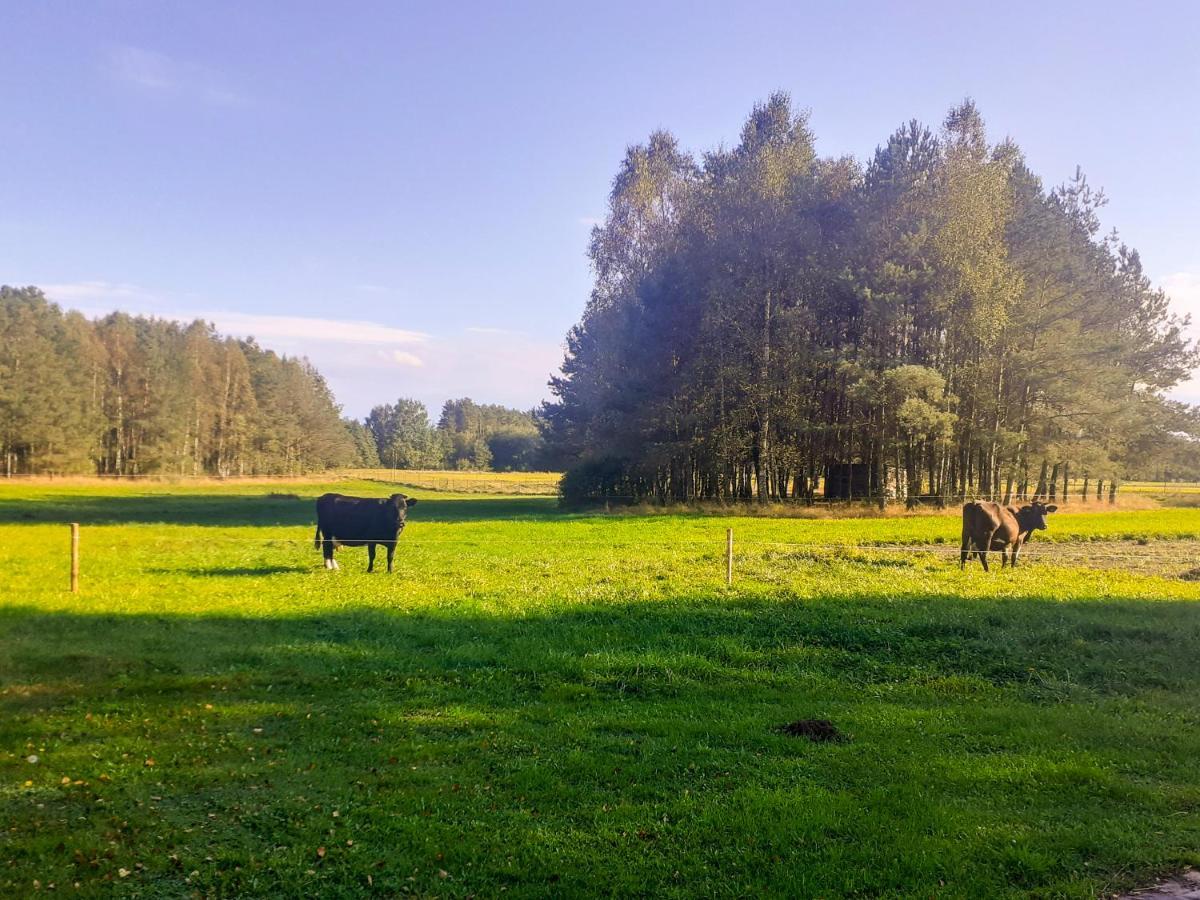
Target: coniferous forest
129 395
932 324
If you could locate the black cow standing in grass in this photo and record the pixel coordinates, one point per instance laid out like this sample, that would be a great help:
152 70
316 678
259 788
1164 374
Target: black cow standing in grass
988 526
354 521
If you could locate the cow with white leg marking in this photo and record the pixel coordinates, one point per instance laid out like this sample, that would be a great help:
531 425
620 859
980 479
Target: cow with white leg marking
354 521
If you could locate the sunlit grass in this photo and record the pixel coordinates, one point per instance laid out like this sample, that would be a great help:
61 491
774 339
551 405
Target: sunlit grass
563 704
533 483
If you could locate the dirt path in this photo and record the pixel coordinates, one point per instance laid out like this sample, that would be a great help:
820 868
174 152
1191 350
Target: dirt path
1182 887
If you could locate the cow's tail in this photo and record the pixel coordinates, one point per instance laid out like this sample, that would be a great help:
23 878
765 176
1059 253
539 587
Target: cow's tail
317 538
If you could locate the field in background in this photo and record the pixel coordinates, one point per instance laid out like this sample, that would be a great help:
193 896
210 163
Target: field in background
546 702
522 483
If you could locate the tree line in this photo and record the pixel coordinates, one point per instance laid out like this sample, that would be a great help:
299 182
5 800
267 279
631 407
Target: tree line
468 435
129 395
932 324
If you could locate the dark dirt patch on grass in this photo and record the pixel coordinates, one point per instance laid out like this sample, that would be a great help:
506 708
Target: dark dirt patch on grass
819 731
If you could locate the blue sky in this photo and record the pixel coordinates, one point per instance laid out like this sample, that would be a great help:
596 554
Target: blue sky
404 193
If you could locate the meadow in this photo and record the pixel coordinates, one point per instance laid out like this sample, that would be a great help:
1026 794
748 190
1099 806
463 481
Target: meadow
543 703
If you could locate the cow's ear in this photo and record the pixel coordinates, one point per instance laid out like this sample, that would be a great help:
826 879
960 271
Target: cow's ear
1051 509
410 501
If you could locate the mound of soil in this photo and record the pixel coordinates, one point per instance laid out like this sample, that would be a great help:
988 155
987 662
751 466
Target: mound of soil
1191 575
818 731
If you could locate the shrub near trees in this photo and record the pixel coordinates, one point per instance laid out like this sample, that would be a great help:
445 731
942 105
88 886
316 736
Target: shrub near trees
129 395
937 317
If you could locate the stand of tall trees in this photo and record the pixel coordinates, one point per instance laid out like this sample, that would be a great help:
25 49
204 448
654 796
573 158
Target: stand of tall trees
129 395
937 318
468 435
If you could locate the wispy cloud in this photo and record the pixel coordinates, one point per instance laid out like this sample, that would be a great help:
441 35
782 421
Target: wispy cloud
1184 290
101 297
159 74
343 331
365 362
98 298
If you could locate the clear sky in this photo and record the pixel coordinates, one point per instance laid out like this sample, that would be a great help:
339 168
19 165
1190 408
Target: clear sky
404 192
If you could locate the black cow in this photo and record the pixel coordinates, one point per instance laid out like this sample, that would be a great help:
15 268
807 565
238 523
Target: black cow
354 521
989 526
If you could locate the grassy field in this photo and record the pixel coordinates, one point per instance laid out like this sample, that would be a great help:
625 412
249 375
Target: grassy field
512 483
546 704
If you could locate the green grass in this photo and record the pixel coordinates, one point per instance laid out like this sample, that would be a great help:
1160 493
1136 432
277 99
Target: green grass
534 483
551 704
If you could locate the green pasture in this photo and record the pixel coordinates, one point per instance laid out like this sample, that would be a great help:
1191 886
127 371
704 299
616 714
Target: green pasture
540 703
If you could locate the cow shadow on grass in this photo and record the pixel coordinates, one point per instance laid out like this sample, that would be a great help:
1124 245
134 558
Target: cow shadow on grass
235 571
490 735
241 510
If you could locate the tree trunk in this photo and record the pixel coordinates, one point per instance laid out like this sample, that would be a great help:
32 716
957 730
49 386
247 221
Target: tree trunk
1040 490
762 439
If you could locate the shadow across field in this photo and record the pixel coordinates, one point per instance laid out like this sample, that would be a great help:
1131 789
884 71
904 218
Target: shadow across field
248 510
1114 646
619 744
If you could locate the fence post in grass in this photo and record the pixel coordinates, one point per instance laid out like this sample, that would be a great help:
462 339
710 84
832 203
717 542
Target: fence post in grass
729 557
74 557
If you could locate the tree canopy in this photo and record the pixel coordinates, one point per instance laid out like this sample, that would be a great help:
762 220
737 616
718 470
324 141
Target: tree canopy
129 395
935 316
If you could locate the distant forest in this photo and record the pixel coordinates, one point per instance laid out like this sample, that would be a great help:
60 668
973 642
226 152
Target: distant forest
129 395
933 324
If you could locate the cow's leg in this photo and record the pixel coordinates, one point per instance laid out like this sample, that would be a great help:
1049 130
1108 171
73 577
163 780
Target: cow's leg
966 549
984 546
391 551
327 552
1004 556
1015 551
370 557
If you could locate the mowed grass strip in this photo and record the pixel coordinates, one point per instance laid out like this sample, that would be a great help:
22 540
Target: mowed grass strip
563 704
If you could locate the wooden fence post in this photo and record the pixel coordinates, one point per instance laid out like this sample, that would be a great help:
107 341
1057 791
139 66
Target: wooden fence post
74 557
729 557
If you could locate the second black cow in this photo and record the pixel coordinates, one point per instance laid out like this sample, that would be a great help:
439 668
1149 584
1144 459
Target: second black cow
353 521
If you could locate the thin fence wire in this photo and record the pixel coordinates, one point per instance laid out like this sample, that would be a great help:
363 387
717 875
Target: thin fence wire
1081 549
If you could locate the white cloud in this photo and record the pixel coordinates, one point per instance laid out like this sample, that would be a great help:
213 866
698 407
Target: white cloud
1184 290
156 73
346 331
400 358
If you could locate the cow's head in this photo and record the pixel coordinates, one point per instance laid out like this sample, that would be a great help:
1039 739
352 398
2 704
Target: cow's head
401 504
1035 514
